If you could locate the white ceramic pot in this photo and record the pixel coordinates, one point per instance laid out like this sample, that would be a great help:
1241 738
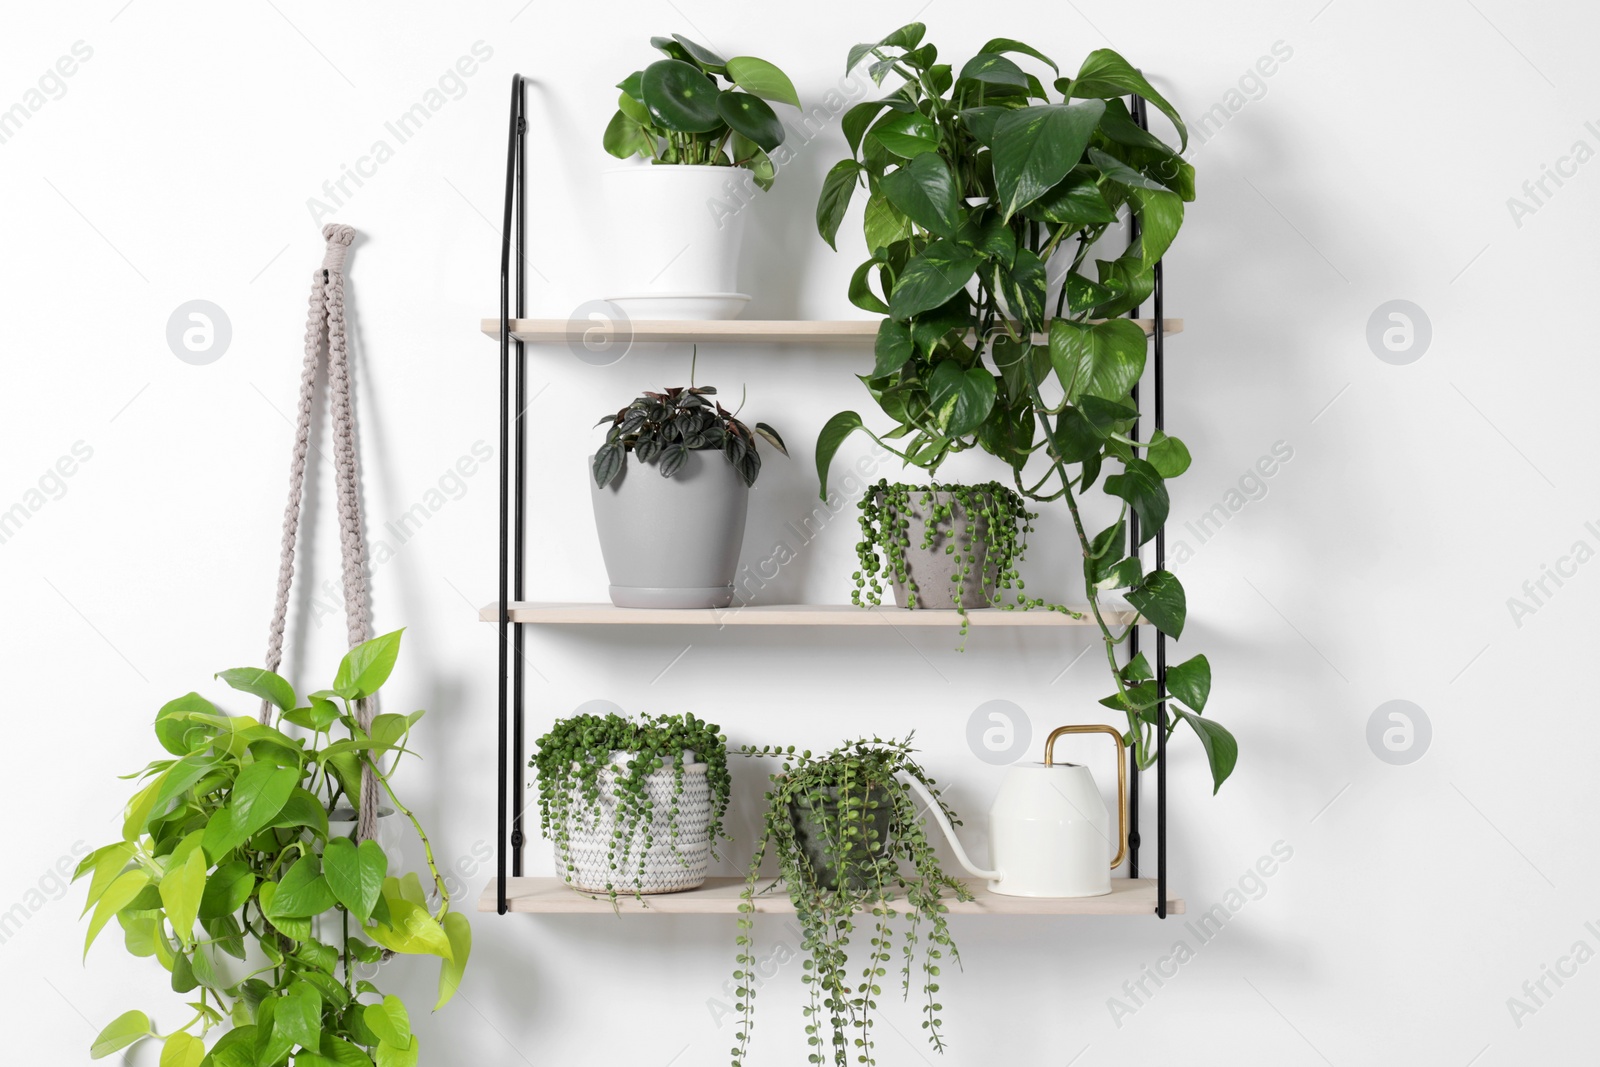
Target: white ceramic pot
677 232
669 865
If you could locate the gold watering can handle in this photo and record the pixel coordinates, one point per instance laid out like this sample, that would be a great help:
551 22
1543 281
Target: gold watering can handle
1122 777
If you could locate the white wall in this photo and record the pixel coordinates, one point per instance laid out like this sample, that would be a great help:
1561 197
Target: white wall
1374 164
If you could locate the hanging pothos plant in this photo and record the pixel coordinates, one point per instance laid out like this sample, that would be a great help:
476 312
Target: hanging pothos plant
225 851
977 178
847 834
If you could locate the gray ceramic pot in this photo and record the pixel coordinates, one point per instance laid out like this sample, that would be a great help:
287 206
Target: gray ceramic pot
932 570
672 542
813 842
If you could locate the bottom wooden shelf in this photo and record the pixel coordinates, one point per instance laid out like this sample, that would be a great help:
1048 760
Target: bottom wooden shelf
721 896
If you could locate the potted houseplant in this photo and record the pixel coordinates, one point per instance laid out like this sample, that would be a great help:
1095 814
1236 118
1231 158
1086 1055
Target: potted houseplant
632 805
986 199
226 852
671 537
847 834
705 125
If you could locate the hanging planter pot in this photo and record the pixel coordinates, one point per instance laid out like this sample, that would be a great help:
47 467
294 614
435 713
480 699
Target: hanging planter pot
670 527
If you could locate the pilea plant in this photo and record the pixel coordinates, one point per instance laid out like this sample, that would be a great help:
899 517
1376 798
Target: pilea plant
572 758
674 111
986 199
663 428
226 852
848 838
886 533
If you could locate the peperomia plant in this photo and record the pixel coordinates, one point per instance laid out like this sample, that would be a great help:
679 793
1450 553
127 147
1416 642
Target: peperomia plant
848 837
663 428
572 758
226 852
673 111
986 199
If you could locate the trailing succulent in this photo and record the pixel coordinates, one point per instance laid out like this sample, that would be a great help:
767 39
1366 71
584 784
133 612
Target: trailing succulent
663 428
886 535
226 847
978 182
848 837
674 111
577 751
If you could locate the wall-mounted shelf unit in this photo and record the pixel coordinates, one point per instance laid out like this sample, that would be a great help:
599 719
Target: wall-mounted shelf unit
722 896
512 612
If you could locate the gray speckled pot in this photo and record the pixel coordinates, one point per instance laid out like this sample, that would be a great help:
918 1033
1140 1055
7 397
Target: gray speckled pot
814 843
672 542
932 570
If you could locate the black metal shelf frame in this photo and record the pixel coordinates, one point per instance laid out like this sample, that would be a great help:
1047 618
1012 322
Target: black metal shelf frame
510 836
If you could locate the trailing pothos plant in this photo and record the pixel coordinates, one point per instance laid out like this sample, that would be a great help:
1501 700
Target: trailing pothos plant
572 758
226 851
986 199
674 110
848 837
663 428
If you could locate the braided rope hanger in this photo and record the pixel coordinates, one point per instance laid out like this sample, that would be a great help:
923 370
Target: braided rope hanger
327 317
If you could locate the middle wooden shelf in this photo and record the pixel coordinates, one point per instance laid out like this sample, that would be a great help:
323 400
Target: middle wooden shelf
541 613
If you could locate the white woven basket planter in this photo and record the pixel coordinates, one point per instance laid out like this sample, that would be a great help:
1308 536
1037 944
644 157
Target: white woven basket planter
671 865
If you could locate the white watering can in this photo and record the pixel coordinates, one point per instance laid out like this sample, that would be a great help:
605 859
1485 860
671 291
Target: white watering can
1049 831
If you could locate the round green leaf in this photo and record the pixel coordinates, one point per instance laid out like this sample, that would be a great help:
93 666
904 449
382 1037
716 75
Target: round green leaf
680 97
763 79
751 117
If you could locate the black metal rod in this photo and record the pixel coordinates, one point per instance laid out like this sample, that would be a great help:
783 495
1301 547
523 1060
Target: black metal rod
520 539
1161 638
502 618
1133 631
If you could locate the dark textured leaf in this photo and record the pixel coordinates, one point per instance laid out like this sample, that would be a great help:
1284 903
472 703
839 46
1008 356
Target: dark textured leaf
672 460
609 459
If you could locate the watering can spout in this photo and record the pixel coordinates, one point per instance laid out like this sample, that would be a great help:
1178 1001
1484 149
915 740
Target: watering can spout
937 811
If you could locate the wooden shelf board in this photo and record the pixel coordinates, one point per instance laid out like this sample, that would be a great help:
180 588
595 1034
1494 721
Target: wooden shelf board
721 896
550 614
817 332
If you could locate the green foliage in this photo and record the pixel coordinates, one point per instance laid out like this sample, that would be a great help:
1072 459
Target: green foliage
978 180
950 514
228 843
847 834
674 110
663 428
574 756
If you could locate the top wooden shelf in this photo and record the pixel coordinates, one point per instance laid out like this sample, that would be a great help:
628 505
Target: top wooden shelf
817 333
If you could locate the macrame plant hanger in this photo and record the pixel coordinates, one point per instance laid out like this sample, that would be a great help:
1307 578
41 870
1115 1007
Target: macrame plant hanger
326 319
